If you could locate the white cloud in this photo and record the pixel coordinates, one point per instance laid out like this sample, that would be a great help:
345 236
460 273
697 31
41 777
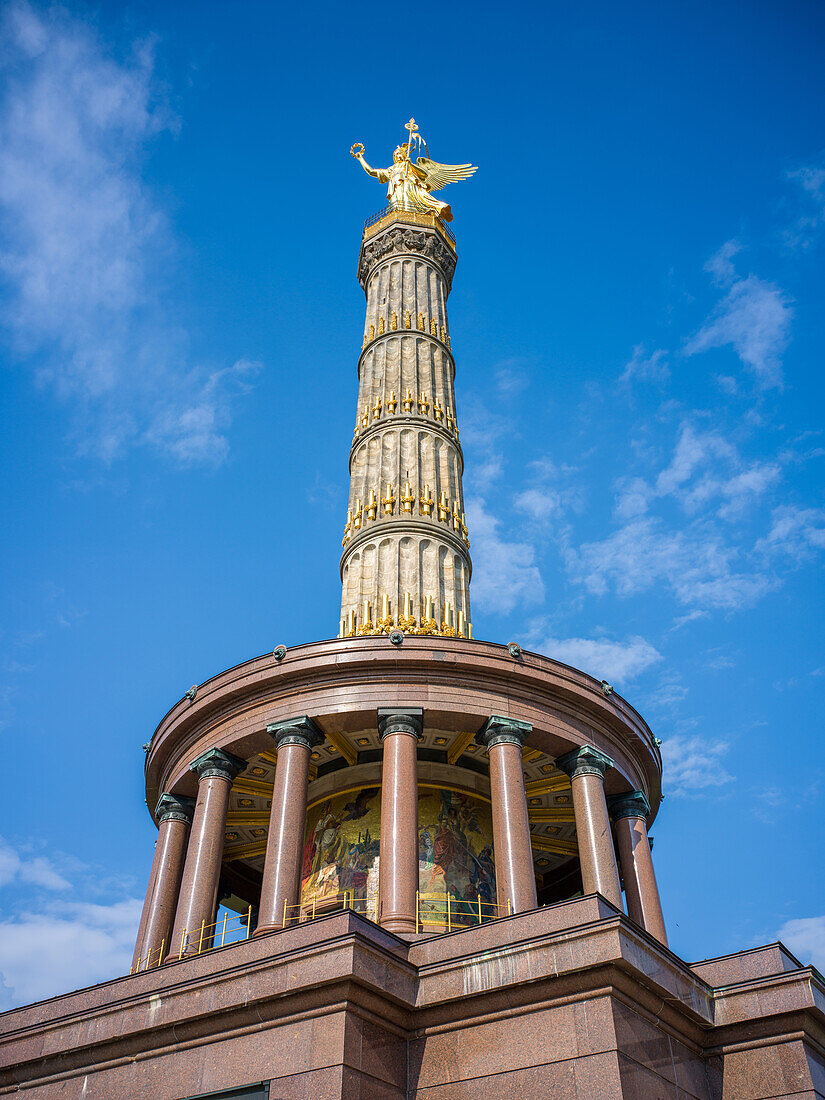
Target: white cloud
811 178
720 267
692 764
669 692
33 870
805 937
551 494
795 532
539 504
44 954
755 318
512 377
646 368
85 249
489 471
695 564
707 562
505 574
705 469
618 662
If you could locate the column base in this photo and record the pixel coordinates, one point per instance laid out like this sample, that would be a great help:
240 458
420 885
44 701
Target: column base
398 924
263 929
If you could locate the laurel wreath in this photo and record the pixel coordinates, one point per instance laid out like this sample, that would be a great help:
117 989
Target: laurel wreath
357 150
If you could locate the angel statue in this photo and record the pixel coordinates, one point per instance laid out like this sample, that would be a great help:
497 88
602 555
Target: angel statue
409 185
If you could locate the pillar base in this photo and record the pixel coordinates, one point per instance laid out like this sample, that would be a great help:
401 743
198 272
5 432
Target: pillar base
398 924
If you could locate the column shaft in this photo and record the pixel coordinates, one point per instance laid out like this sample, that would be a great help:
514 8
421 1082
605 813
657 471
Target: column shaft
515 877
287 823
201 872
630 813
398 851
586 767
162 893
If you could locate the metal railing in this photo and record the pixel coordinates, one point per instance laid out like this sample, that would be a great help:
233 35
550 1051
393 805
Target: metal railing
435 911
232 930
444 911
432 910
413 214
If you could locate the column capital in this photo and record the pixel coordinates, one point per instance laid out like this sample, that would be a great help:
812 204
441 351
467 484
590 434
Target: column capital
503 731
401 720
174 807
217 762
629 804
586 760
296 731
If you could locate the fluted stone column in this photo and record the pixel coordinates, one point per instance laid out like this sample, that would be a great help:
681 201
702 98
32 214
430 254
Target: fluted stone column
400 732
630 813
281 885
174 817
515 877
600 875
215 770
406 547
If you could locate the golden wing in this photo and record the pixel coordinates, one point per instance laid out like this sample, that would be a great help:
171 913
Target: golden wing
439 175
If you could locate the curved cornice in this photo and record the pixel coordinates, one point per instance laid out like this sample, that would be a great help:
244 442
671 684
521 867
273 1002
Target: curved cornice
458 683
402 420
398 526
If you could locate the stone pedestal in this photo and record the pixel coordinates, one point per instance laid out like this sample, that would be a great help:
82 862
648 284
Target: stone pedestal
586 767
281 887
515 878
400 732
174 816
215 770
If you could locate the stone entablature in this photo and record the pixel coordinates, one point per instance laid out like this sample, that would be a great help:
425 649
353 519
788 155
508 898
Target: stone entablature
459 684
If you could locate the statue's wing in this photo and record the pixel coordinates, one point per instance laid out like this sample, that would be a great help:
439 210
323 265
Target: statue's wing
439 175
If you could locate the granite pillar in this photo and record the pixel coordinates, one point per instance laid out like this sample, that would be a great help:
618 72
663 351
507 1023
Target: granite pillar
630 813
281 887
515 875
400 732
600 875
174 818
215 770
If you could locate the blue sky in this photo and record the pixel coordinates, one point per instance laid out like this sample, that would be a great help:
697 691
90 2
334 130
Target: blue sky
637 319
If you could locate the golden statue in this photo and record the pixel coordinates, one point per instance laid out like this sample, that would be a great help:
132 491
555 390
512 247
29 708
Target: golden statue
409 185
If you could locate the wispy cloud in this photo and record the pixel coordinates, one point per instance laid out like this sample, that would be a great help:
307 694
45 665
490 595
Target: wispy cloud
619 662
16 866
796 533
646 368
59 950
708 561
692 764
551 494
505 573
754 318
512 376
51 942
805 937
811 179
696 565
85 248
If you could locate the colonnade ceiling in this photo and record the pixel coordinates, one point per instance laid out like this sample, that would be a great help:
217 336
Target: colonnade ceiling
549 795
